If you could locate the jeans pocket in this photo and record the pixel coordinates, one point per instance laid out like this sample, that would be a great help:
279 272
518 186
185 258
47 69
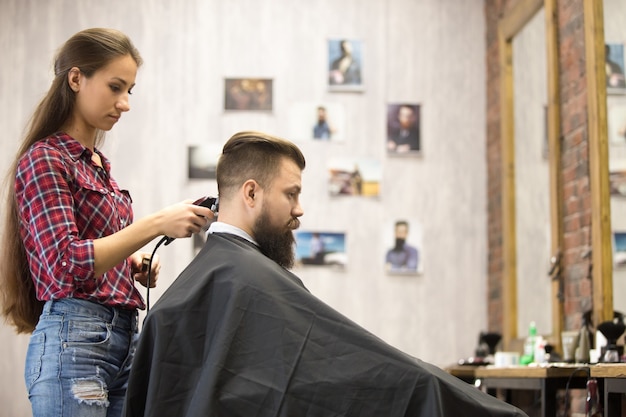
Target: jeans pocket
34 355
87 332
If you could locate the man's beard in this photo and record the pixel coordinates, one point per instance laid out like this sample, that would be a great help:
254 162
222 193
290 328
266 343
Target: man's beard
399 245
277 243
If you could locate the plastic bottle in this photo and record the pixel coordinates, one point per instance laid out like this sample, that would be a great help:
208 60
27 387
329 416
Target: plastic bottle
582 351
529 345
540 350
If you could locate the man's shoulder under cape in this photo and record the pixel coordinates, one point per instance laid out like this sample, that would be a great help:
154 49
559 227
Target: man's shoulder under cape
237 335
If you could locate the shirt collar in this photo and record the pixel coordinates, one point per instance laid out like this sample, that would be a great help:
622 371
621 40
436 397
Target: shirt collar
221 227
75 149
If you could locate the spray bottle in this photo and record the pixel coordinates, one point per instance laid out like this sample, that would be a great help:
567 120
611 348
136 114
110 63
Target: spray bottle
529 345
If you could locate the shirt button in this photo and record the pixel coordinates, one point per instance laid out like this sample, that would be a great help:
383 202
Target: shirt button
64 263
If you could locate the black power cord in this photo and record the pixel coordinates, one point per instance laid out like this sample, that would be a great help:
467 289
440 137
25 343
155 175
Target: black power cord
211 203
587 370
167 241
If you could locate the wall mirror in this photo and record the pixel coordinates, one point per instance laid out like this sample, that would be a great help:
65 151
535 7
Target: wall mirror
532 185
615 37
531 168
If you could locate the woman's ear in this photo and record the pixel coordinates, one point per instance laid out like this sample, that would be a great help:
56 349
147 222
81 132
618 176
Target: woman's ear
73 79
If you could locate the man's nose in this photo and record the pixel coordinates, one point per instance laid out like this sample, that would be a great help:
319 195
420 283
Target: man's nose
297 211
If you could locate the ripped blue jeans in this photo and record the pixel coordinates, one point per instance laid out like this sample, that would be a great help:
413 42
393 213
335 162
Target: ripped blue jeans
79 359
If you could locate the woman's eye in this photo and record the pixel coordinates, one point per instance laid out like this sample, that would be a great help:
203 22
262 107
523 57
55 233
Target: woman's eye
114 88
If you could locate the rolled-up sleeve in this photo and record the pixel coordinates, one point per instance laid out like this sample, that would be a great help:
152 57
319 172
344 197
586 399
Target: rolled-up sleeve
60 260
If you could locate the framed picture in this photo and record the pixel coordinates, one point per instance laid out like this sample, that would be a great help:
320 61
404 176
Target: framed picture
318 121
617 183
403 129
318 248
354 177
614 65
403 254
617 121
202 161
248 94
619 249
345 65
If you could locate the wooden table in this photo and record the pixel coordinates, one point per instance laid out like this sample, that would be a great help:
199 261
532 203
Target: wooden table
614 376
466 373
546 379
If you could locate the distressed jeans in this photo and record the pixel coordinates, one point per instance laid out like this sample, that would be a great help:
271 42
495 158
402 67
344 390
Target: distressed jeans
79 358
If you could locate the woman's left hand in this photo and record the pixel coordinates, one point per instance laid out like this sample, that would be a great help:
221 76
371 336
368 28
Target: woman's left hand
140 261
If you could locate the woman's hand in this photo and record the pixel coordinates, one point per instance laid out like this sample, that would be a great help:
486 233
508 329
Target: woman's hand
184 219
140 262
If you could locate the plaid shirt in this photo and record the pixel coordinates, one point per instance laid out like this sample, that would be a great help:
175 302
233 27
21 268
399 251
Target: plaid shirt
65 201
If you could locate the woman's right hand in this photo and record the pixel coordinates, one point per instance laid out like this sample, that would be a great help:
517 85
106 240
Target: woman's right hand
176 221
183 219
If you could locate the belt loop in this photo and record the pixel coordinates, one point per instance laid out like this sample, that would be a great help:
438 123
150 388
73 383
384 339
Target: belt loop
115 320
47 306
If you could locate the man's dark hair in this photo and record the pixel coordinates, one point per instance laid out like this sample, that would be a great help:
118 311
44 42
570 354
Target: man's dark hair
253 155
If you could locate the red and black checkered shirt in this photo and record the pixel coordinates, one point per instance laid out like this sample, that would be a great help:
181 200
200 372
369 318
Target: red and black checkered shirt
65 201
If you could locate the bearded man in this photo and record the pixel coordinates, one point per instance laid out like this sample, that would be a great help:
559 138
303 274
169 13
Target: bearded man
237 334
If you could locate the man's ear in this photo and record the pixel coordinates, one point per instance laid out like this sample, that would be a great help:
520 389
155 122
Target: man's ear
73 79
250 192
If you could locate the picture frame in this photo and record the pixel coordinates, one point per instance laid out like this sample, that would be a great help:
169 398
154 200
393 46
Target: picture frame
615 69
248 94
202 161
616 121
351 176
403 129
321 248
345 65
619 249
403 240
320 121
617 183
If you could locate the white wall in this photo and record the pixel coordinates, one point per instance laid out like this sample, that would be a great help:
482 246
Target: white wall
430 52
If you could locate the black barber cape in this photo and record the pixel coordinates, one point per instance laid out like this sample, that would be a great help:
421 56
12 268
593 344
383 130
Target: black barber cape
238 335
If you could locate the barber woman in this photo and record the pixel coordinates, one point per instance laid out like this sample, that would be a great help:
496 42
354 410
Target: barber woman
70 245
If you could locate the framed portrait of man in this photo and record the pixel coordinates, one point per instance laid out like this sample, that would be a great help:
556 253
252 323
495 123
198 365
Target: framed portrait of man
403 253
345 65
318 121
248 94
403 129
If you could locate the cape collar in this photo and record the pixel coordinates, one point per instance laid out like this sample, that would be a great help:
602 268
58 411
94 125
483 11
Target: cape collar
221 227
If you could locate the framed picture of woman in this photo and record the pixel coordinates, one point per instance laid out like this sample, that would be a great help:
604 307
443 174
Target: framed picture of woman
345 65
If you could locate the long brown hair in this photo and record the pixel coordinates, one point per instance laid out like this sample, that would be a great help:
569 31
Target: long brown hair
88 50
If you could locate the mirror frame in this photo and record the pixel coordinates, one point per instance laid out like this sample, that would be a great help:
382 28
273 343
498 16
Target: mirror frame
510 25
601 250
